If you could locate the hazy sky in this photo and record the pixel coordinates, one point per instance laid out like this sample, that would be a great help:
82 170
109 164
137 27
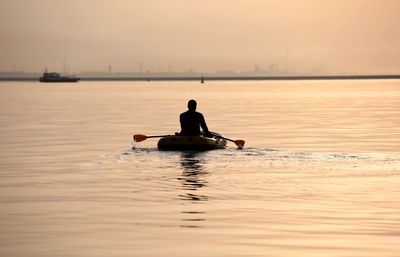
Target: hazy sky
320 36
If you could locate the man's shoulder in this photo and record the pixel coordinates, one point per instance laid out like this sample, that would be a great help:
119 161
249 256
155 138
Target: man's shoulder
192 114
199 114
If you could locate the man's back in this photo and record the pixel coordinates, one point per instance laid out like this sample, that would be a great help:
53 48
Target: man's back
191 121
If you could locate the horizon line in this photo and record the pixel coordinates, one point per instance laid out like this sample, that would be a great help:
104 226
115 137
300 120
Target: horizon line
215 78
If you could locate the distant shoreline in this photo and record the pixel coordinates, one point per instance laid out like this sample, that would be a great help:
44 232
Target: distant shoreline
219 78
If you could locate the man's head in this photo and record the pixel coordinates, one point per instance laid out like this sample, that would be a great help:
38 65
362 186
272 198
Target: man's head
192 105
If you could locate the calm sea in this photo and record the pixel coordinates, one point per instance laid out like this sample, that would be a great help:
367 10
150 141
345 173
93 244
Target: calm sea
319 175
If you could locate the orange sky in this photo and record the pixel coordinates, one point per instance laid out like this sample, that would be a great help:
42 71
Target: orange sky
320 36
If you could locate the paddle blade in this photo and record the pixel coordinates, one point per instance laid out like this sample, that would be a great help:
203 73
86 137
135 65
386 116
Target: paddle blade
239 143
139 138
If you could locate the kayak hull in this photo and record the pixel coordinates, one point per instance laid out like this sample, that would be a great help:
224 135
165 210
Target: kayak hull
195 143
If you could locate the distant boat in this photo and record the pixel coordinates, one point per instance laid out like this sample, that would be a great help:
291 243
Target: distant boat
56 77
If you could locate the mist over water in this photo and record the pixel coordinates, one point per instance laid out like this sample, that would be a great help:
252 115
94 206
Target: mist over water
319 173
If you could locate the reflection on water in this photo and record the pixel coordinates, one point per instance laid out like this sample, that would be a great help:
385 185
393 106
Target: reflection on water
193 171
193 180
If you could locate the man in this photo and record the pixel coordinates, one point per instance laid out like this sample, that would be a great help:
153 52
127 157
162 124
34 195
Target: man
191 121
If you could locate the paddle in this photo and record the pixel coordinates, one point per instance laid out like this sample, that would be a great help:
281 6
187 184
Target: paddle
140 138
240 143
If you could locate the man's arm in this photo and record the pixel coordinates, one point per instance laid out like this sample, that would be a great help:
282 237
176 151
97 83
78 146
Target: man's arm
203 125
180 121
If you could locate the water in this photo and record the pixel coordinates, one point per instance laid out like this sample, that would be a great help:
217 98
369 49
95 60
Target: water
319 175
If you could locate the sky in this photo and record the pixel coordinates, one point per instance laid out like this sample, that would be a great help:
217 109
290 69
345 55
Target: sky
292 36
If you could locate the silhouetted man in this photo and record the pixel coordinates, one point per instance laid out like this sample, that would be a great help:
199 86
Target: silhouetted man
191 121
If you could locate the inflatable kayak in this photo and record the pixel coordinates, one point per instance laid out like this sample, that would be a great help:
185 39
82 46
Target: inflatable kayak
197 143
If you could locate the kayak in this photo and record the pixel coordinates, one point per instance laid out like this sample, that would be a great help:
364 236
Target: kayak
196 143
